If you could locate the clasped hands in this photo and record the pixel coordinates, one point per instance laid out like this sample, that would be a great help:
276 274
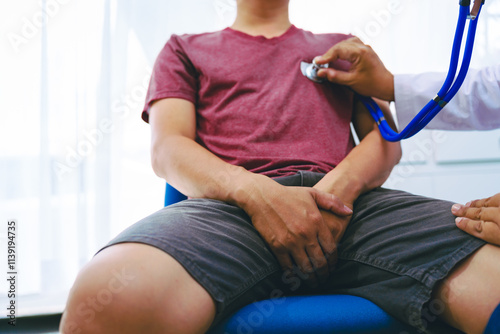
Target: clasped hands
302 227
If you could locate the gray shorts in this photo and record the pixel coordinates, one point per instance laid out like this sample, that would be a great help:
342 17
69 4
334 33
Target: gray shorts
394 251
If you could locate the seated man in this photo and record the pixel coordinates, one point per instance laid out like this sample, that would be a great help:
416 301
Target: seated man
281 201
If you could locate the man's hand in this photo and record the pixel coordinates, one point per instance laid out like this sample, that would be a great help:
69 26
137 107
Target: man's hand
480 218
337 225
291 223
367 75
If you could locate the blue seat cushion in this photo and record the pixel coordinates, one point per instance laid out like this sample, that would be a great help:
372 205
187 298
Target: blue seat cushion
311 314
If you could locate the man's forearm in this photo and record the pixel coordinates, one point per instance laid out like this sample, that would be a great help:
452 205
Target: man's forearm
198 173
366 167
185 164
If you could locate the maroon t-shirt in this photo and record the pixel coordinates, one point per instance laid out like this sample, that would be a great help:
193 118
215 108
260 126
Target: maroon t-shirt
254 107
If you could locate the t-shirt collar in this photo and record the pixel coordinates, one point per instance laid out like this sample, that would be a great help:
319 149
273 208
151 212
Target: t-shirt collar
290 31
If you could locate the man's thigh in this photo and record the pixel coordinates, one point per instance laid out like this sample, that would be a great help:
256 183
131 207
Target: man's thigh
397 249
218 246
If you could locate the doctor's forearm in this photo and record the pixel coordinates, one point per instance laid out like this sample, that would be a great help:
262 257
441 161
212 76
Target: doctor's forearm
475 107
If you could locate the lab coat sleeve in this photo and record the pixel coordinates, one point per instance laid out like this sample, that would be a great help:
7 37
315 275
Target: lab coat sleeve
475 107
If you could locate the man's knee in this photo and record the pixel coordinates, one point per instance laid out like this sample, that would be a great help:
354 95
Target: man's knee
100 293
130 289
471 292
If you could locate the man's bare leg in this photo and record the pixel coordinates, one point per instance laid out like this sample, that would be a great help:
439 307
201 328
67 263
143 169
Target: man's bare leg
472 291
136 288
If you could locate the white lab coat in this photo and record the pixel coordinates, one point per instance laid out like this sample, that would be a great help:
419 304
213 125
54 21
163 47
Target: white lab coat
475 107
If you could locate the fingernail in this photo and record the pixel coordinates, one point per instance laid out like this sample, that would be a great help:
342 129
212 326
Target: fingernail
318 58
458 220
347 209
455 208
468 204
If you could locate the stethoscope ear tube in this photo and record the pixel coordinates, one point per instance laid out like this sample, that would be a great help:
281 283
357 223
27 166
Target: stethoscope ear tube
445 94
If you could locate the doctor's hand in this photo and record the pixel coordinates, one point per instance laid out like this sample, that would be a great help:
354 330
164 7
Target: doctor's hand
480 218
291 223
367 74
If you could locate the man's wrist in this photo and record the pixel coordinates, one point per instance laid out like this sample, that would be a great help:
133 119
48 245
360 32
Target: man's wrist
246 189
348 189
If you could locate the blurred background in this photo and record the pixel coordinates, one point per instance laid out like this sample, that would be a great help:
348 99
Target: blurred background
74 152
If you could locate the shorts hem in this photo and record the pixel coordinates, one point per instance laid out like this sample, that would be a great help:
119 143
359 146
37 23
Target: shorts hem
190 267
421 311
423 305
222 299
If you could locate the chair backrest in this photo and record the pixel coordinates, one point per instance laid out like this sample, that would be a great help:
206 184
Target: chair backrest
173 195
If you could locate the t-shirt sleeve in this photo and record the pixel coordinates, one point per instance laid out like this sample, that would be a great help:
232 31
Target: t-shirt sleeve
174 76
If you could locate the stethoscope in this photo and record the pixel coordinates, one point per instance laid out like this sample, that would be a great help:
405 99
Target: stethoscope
447 92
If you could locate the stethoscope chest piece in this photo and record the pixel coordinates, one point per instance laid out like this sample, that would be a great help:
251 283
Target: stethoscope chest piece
310 70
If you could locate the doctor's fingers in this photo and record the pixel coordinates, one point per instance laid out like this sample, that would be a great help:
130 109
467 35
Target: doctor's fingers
339 77
485 202
350 49
479 213
485 230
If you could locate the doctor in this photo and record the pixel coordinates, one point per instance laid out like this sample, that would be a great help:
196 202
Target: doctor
475 107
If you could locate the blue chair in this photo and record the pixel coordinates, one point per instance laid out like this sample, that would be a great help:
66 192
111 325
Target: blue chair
339 314
173 195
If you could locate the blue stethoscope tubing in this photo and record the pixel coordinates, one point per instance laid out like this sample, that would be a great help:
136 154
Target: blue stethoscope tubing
445 94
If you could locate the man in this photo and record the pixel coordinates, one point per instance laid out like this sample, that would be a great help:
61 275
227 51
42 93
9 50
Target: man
475 107
230 111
